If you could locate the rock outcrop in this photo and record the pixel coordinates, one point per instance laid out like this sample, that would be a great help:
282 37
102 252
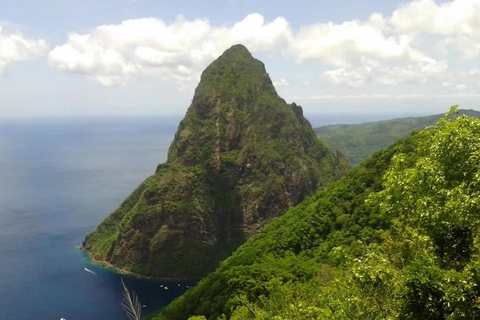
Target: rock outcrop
241 156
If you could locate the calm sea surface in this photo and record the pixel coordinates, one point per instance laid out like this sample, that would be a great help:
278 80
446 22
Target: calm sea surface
59 178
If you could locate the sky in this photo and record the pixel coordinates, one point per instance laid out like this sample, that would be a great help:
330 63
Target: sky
145 57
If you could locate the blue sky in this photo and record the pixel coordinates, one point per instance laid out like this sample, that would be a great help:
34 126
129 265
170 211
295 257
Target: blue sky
125 57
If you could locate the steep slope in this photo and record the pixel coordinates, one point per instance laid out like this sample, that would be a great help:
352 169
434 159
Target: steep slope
360 141
297 246
240 157
396 238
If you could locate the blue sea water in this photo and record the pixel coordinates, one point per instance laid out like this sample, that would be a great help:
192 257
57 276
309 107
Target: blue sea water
59 178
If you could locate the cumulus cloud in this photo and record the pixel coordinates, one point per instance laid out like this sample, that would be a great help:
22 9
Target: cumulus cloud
14 47
352 79
396 49
415 73
113 54
351 43
426 16
457 21
412 45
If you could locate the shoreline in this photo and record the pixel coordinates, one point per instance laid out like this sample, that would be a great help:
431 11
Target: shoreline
126 272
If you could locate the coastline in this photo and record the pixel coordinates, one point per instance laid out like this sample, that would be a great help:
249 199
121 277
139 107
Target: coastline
126 272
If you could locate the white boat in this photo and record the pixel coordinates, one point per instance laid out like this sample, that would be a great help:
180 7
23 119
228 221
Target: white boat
89 271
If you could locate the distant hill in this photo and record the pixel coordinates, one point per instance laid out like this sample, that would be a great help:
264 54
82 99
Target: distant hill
359 141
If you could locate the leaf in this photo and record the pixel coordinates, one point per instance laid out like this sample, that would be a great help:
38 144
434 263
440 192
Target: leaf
130 304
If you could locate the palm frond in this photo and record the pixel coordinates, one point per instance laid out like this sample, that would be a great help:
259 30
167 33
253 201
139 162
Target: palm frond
130 304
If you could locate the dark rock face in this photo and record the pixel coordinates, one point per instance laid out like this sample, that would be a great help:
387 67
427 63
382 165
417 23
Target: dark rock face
241 156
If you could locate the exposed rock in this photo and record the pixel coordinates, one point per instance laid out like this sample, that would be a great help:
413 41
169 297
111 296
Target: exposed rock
241 156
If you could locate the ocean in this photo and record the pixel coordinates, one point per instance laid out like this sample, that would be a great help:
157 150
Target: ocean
59 178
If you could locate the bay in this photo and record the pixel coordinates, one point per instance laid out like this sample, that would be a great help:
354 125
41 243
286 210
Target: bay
58 179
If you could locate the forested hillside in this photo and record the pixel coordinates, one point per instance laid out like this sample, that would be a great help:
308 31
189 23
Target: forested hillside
396 238
241 156
360 141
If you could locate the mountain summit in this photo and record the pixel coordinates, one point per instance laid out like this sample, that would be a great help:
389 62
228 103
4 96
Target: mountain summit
241 156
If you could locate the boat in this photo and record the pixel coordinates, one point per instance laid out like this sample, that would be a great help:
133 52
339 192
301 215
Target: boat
89 271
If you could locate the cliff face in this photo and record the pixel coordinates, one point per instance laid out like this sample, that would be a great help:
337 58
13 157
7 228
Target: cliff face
241 156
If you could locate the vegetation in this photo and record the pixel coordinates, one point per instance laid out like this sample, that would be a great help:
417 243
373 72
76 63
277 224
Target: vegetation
130 304
360 141
241 156
396 238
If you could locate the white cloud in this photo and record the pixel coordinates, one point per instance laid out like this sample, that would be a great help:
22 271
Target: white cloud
351 79
457 21
282 82
426 16
418 44
412 45
255 34
352 43
450 85
112 54
474 72
14 47
414 73
467 46
389 96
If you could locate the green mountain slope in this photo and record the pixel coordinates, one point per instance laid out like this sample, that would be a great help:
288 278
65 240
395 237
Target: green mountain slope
296 245
396 238
359 141
241 156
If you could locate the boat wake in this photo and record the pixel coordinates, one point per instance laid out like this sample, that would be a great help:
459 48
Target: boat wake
90 271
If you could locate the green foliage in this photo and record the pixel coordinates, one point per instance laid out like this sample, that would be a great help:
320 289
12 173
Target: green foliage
241 156
439 193
325 229
396 238
360 141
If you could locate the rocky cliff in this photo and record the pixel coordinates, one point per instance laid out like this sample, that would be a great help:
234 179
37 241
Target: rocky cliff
241 156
